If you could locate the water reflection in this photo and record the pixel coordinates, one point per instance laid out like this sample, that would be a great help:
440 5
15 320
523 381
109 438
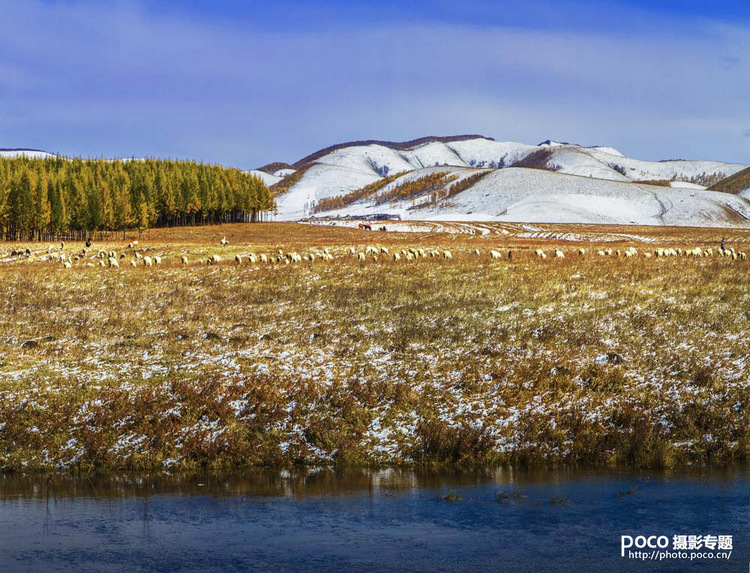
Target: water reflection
394 519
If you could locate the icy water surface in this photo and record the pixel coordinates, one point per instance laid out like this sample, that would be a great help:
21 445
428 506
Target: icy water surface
390 520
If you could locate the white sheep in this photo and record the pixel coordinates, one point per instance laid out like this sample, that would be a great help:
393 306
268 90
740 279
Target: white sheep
495 254
447 255
263 258
184 259
133 263
540 253
581 252
559 254
67 264
601 253
224 242
647 255
113 263
361 256
396 257
238 259
148 261
252 258
157 260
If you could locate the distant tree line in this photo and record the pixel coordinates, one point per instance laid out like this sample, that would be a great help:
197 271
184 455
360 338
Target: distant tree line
47 199
415 187
341 201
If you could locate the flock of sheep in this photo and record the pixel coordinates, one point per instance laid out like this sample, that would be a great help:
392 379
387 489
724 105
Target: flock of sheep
112 259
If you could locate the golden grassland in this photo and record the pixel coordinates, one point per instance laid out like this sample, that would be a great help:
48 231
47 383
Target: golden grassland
432 362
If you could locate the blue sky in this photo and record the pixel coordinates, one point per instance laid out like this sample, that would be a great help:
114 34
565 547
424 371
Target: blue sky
243 83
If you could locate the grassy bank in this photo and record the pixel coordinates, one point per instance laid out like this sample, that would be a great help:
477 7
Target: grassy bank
590 360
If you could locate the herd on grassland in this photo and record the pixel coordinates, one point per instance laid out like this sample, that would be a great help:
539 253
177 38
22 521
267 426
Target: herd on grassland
134 253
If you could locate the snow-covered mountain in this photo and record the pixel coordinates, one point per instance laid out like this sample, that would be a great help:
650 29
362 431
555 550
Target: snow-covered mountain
551 181
32 153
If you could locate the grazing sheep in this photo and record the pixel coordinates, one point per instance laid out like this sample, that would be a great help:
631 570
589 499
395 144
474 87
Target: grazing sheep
224 242
384 250
102 264
559 254
113 263
447 255
138 256
252 258
476 252
66 264
495 254
133 263
361 256
352 251
409 257
184 259
742 255
213 259
148 261
157 260
581 252
601 253
238 259
629 254
263 258
90 265
647 255
132 245
422 253
540 253
396 257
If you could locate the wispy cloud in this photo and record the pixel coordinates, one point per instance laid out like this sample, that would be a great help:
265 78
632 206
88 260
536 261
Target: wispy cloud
125 79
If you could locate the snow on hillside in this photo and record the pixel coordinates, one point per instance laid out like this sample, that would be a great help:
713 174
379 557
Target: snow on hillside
267 178
640 170
320 182
574 160
488 153
31 153
536 196
686 185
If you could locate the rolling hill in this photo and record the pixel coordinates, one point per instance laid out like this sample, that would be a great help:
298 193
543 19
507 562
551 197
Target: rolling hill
551 182
737 184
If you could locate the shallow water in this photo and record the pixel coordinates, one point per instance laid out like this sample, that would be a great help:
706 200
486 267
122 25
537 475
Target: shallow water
391 520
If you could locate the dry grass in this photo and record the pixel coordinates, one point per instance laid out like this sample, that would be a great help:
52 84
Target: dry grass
585 360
